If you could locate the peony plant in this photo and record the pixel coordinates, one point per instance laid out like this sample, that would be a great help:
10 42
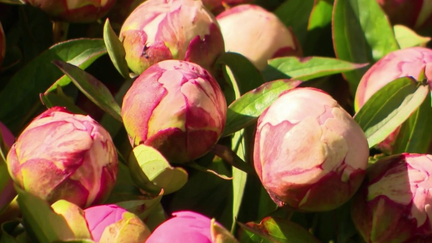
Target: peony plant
260 37
74 11
309 153
395 201
401 63
171 29
61 155
176 107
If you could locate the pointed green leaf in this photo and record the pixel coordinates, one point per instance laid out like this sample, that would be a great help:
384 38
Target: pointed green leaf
115 50
249 107
321 14
406 37
40 220
415 135
21 93
151 171
389 108
306 68
361 34
95 90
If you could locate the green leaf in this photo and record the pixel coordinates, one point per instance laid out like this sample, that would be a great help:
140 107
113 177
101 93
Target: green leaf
295 14
361 34
142 207
115 49
60 99
41 221
306 68
246 75
321 14
245 110
275 230
389 108
151 171
21 93
95 90
406 37
415 135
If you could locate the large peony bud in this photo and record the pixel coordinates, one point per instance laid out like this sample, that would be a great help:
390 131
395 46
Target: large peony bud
74 11
171 29
257 34
176 107
309 153
60 155
394 203
397 64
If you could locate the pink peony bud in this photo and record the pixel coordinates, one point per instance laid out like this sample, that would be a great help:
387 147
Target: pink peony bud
397 64
412 13
171 29
217 6
309 153
394 203
177 107
60 155
74 11
187 226
111 223
257 34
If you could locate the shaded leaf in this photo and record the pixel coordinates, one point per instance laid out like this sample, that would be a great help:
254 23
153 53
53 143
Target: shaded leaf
21 93
389 107
415 134
95 90
249 107
115 49
40 220
19 2
295 14
306 68
361 34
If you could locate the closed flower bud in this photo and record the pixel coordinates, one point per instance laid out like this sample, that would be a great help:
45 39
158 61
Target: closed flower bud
74 11
260 36
177 107
191 227
171 29
395 203
60 155
309 153
111 223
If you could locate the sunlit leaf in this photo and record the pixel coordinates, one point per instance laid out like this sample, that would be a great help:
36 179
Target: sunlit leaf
389 108
115 50
95 90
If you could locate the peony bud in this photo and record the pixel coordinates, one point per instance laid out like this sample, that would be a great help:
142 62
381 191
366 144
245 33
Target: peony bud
111 223
191 227
74 11
177 107
394 203
217 6
260 36
309 153
171 29
397 64
60 155
412 13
